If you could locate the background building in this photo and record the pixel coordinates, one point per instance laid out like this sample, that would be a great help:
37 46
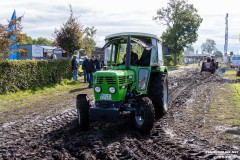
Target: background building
30 51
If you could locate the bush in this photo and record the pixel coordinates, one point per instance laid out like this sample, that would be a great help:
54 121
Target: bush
26 74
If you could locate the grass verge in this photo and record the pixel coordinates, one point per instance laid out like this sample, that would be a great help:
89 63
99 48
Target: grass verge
19 99
225 107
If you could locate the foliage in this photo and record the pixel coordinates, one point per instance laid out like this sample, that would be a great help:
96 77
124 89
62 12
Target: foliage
218 54
42 41
38 41
70 36
168 60
209 46
88 40
5 35
27 40
189 50
182 23
27 74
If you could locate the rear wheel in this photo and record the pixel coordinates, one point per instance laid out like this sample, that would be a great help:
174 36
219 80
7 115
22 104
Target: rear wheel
83 111
159 93
144 116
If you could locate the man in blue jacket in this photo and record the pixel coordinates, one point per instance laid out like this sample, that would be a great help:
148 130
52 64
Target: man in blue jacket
74 67
84 68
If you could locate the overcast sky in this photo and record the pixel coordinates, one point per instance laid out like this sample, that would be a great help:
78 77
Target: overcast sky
109 16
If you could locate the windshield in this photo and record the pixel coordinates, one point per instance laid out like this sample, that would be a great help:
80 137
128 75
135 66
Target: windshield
115 53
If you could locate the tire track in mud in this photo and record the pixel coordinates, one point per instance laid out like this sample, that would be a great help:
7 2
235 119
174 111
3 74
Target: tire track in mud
59 137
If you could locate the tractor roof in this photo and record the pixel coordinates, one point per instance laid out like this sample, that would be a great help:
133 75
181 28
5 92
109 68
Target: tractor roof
134 34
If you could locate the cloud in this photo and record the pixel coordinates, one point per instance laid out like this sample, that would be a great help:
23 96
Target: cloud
108 17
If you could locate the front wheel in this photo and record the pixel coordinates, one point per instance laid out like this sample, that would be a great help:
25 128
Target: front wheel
83 111
144 117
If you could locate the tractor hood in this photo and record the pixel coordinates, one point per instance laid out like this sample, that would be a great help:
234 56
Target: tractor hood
113 73
118 80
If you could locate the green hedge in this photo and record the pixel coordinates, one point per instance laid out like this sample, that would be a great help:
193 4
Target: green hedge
26 74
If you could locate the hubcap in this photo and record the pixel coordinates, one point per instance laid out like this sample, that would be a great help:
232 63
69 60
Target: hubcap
139 117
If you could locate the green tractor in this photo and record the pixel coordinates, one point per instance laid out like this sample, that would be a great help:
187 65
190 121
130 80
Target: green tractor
139 87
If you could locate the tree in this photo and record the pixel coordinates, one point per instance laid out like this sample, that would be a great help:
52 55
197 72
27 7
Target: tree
42 41
209 46
218 54
38 41
182 23
5 35
70 36
88 40
189 50
26 40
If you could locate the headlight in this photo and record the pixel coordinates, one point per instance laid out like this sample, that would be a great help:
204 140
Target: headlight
98 89
112 89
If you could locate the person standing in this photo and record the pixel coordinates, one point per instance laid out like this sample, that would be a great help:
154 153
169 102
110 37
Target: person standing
91 68
53 56
74 66
84 68
98 63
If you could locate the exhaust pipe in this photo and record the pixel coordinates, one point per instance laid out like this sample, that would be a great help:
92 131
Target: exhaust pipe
128 53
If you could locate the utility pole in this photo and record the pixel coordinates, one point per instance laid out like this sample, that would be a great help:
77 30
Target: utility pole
226 35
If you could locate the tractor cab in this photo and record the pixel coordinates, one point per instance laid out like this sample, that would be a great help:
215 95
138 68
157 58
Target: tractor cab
134 80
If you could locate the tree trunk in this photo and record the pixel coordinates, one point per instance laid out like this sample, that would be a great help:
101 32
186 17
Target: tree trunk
175 58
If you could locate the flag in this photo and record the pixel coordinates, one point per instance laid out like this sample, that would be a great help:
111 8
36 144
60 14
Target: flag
13 46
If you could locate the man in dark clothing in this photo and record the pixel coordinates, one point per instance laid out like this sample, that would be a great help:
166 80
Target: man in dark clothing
74 66
98 63
91 68
84 68
145 58
134 58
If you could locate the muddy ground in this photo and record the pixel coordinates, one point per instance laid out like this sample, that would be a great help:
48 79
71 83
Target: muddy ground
188 131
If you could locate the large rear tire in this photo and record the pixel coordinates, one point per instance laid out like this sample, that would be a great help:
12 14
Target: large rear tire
144 116
83 111
159 93
202 68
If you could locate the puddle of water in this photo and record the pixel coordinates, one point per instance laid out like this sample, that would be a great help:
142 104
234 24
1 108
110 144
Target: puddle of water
226 128
169 132
8 124
222 128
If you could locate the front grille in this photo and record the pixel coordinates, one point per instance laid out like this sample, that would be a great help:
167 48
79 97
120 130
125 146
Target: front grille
99 80
122 80
110 80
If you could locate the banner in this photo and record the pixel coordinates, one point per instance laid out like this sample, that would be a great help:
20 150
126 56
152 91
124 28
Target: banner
13 38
